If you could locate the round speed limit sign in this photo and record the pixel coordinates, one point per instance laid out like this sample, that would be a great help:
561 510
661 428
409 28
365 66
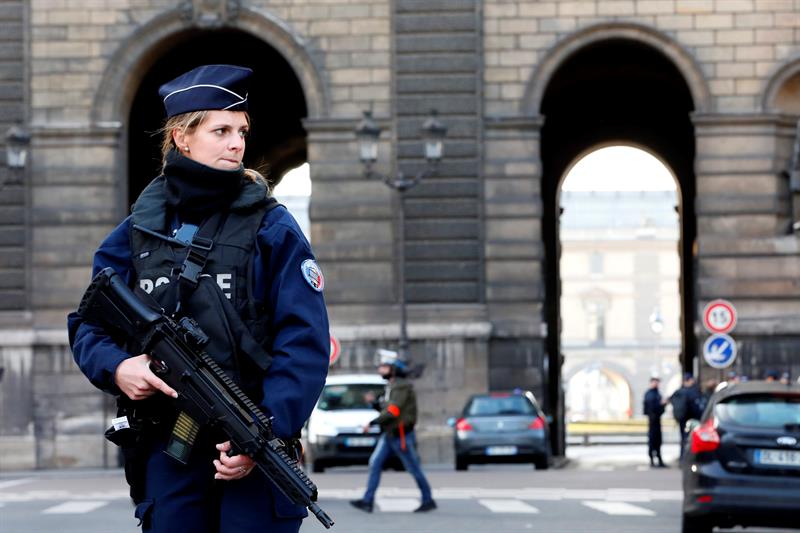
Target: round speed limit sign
719 316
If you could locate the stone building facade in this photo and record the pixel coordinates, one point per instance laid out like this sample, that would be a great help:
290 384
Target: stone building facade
525 87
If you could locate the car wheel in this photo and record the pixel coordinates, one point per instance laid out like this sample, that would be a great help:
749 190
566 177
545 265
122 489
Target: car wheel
693 524
540 462
461 464
317 466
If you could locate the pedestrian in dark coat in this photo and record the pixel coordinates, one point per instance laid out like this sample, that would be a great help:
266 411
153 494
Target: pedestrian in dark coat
653 409
685 405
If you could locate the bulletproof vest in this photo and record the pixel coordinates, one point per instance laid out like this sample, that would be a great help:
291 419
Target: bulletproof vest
221 301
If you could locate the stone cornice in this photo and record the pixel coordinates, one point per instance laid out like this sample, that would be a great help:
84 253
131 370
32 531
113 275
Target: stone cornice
519 122
72 134
341 129
720 124
389 331
30 337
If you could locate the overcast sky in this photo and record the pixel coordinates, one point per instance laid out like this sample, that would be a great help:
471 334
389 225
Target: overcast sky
619 168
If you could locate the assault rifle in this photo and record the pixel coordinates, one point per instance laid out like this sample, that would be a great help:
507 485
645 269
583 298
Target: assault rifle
206 395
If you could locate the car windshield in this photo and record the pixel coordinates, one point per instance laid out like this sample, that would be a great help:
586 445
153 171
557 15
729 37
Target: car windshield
350 396
499 405
760 410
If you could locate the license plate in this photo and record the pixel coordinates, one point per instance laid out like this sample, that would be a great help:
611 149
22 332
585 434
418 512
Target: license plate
777 457
359 442
501 450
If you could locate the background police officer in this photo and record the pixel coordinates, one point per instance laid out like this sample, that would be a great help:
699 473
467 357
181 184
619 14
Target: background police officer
252 284
653 409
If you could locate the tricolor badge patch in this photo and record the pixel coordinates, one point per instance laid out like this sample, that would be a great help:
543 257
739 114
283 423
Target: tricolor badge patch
313 274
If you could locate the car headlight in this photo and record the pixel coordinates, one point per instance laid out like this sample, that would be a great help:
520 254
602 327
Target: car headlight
321 432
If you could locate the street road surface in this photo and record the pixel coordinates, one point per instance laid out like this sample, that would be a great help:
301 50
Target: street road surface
601 489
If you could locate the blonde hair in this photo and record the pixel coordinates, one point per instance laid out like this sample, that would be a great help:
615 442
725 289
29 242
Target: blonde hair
187 123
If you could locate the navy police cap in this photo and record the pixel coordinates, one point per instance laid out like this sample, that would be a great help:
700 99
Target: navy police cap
207 87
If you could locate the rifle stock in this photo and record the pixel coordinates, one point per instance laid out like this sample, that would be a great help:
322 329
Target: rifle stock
205 393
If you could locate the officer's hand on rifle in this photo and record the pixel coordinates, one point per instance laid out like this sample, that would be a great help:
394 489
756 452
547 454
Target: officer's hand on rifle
135 379
232 467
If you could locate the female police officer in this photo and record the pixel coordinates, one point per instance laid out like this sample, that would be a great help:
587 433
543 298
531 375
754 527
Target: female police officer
205 240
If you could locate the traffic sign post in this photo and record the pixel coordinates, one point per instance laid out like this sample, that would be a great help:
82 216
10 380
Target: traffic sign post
719 351
719 316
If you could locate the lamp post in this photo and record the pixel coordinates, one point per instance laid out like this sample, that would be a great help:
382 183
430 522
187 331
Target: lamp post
433 133
656 326
17 141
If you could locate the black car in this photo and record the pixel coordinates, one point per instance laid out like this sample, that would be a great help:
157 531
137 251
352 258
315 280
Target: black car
741 463
501 427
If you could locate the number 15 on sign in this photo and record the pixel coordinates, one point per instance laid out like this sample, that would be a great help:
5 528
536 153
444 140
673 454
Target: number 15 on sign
719 316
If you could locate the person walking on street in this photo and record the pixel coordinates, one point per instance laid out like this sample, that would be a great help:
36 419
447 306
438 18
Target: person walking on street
685 405
653 409
206 240
709 387
397 418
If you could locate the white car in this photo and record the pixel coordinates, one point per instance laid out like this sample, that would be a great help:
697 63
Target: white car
333 434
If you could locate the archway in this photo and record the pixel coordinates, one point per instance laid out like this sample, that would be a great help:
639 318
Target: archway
782 91
276 106
619 270
597 392
617 90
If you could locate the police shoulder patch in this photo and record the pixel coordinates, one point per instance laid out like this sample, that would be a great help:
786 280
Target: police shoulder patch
313 274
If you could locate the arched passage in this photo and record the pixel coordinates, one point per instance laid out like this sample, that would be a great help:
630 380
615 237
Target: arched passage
782 91
619 269
621 90
143 51
276 105
597 392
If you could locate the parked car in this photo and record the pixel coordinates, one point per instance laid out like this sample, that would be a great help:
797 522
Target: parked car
501 427
333 434
741 463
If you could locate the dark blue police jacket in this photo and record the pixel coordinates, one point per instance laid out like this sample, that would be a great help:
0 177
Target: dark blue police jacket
299 323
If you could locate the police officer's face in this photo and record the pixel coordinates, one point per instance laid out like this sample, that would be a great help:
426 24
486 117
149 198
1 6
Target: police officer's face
218 142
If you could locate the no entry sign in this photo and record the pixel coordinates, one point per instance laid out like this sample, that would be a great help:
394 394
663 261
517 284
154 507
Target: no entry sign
336 349
719 316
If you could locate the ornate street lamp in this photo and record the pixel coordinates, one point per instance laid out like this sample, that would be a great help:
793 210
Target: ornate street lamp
433 133
17 141
656 326
367 133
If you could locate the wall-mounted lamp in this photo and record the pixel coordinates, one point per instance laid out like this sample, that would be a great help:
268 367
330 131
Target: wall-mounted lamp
368 132
17 141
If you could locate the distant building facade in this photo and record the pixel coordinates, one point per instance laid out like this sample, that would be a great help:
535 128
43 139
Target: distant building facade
525 87
620 299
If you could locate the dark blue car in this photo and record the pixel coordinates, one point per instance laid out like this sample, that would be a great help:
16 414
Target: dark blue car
741 464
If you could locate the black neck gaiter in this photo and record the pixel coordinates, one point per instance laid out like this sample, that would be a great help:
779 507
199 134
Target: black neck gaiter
194 191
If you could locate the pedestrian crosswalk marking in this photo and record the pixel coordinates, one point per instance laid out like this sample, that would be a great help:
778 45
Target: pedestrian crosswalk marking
524 493
14 482
78 507
618 508
509 506
397 505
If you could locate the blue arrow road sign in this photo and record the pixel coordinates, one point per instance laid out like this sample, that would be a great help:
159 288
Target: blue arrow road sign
719 351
